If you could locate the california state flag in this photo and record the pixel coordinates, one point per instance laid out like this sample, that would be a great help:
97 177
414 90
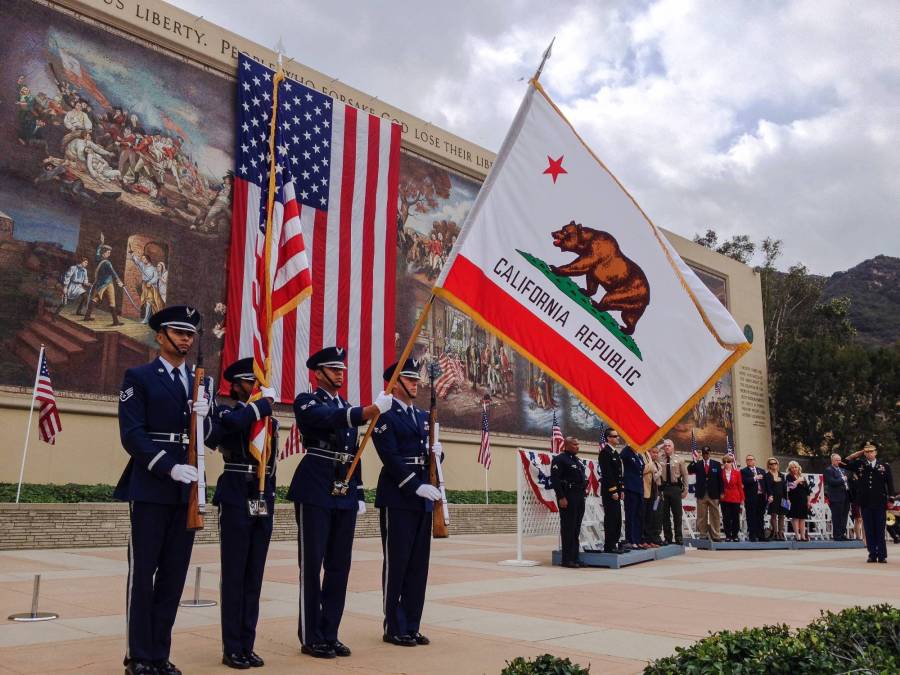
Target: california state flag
558 260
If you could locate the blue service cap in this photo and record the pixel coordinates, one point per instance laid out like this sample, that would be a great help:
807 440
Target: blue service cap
242 369
181 317
330 357
410 369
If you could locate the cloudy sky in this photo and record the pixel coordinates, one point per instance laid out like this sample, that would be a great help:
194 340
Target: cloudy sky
763 118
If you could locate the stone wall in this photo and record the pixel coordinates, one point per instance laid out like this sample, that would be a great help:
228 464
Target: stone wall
25 526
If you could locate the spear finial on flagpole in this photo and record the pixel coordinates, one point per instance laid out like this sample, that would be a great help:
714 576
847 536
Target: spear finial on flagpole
279 51
546 56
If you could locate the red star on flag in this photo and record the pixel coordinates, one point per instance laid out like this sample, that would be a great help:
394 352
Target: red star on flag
555 167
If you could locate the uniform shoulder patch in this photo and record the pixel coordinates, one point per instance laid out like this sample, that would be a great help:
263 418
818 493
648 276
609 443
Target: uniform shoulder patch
126 394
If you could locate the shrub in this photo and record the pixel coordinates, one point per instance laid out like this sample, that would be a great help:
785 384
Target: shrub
858 640
545 664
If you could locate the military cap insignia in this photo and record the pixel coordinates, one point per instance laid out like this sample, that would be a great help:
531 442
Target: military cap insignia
189 311
340 352
126 394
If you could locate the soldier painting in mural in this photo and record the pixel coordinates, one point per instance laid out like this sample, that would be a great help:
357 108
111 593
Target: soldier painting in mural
110 179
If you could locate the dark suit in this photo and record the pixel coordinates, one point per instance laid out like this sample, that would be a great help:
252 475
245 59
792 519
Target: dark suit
401 439
611 483
325 523
754 480
708 489
243 539
153 423
838 495
568 482
633 476
873 488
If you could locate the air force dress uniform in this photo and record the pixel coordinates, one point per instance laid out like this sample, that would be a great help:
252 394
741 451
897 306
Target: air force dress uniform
243 538
325 522
401 439
154 415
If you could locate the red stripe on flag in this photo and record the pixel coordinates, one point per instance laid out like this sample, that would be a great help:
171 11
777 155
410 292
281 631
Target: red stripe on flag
390 258
367 282
289 356
234 272
348 187
470 285
317 310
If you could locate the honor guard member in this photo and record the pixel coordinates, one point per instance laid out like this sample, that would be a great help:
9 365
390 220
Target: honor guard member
874 488
612 487
154 417
569 482
406 501
244 531
325 522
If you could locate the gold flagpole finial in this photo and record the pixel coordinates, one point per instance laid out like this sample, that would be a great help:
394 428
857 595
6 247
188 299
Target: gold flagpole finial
546 56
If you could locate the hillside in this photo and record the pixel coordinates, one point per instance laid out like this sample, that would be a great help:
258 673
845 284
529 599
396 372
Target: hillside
873 287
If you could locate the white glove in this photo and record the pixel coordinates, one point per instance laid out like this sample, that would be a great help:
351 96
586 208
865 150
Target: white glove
199 407
362 508
268 392
438 448
429 492
384 402
184 473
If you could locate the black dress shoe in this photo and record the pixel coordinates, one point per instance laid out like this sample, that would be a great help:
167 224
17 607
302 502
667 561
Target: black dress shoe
321 650
421 639
236 660
882 560
340 649
140 668
400 640
574 565
253 659
870 559
610 550
166 668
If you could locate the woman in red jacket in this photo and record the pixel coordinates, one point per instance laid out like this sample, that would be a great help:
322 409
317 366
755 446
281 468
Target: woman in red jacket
732 498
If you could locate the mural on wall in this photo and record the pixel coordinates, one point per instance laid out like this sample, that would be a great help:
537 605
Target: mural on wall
114 195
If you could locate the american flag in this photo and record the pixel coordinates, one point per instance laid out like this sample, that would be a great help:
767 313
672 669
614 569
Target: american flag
450 372
293 445
557 441
695 451
49 424
484 452
338 170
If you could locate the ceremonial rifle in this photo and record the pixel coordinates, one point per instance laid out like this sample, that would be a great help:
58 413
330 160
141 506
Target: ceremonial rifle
196 455
440 517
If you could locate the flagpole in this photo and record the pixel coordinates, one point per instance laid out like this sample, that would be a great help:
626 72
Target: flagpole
546 56
487 492
37 376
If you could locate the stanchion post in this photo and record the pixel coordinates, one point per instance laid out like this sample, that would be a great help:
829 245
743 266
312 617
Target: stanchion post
197 602
520 524
34 614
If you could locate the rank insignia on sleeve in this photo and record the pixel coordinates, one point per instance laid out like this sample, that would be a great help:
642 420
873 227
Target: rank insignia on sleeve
307 405
126 394
380 429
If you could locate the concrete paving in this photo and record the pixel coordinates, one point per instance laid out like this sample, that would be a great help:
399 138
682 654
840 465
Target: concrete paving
478 615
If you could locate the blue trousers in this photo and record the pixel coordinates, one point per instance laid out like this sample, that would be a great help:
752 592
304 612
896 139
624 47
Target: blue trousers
325 541
406 542
159 552
634 522
874 521
244 544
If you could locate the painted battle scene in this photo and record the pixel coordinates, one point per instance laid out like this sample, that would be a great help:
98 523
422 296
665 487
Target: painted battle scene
114 196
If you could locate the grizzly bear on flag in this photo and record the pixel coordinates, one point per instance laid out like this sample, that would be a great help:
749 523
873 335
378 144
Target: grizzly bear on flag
602 263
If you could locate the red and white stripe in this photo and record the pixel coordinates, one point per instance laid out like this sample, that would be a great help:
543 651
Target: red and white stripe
351 252
49 424
293 445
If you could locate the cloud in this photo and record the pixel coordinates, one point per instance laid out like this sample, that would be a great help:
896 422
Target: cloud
768 119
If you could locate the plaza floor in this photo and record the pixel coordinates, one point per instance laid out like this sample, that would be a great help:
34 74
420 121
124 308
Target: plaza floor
478 614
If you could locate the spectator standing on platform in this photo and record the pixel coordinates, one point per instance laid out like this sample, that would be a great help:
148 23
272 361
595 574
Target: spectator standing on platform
568 481
875 487
652 500
732 498
855 512
776 496
674 488
707 489
754 480
798 494
633 466
837 491
612 491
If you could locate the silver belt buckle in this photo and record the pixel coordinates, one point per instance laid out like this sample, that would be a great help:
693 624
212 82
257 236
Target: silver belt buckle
343 457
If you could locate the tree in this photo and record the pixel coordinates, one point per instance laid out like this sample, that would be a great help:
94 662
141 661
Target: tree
421 185
739 247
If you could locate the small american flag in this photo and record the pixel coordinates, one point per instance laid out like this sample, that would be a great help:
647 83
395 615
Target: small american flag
294 444
48 417
449 374
557 441
484 452
694 449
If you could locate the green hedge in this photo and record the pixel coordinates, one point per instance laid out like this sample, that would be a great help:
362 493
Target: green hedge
545 664
73 493
855 640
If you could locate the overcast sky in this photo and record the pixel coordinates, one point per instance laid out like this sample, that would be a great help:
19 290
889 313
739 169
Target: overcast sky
763 118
